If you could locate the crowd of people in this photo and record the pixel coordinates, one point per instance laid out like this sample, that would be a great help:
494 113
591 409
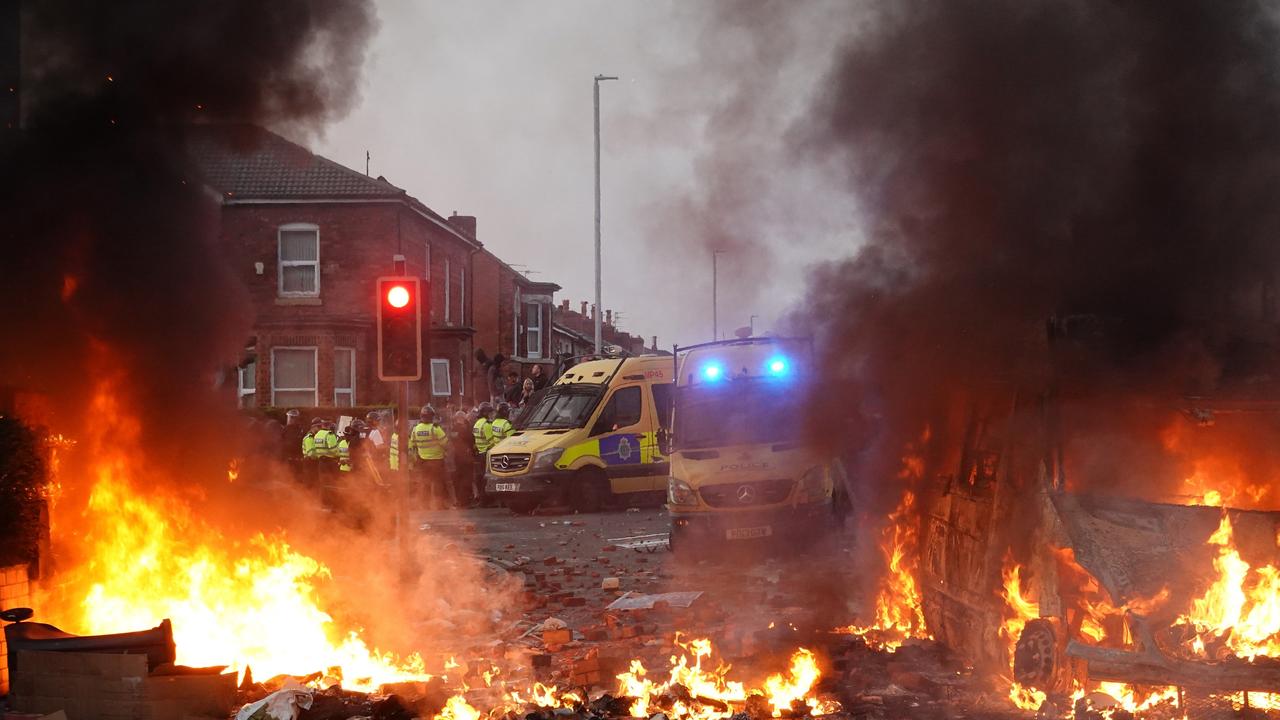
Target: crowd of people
445 453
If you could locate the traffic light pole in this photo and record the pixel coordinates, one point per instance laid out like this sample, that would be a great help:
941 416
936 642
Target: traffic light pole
402 482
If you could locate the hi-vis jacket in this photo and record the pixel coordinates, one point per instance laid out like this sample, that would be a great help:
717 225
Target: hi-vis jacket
428 439
483 432
501 429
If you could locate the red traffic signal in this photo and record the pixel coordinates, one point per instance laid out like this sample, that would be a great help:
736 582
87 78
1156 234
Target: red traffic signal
398 296
399 328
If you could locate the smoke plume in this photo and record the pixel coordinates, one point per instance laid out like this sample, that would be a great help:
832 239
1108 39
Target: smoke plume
110 263
1111 167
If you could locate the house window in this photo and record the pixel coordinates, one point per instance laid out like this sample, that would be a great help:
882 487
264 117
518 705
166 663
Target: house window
440 377
248 385
447 278
533 329
462 295
293 376
344 377
299 260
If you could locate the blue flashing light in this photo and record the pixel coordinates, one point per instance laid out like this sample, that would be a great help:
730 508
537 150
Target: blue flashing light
712 372
777 366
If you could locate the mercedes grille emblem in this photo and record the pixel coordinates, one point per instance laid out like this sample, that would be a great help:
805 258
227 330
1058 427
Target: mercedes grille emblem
746 494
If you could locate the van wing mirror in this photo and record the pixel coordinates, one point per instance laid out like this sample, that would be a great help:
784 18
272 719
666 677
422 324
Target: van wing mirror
664 441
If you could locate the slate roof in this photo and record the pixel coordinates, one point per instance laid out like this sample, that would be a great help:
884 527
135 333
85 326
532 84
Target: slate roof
243 161
246 162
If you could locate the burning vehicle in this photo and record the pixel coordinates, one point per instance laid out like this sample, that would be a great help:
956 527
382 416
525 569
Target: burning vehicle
1146 569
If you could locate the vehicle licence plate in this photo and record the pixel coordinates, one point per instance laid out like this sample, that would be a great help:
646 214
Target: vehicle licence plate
748 533
507 487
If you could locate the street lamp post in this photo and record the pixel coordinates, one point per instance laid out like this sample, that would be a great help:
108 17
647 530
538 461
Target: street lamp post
715 320
599 306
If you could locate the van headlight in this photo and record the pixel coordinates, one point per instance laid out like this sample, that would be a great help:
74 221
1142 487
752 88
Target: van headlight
546 460
813 485
679 492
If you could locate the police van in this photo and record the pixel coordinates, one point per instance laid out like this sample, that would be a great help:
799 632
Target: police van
591 438
740 467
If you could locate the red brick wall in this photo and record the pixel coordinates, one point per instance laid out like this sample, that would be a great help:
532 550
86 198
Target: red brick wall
357 242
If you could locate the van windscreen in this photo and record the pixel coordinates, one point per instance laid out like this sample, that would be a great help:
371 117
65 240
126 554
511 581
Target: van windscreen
740 412
564 406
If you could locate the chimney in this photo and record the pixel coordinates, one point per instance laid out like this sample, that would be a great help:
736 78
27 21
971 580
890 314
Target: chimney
593 313
583 312
465 224
10 64
655 342
608 317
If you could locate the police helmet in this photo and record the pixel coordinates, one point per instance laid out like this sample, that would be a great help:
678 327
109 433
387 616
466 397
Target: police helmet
372 416
317 421
292 413
486 408
428 412
504 410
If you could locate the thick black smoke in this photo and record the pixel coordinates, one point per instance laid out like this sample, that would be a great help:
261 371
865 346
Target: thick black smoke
1018 161
109 261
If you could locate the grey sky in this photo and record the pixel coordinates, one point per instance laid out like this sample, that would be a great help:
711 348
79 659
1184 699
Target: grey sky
484 107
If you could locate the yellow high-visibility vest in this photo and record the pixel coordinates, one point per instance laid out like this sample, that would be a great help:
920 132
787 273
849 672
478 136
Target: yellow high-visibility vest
344 455
502 428
395 451
483 432
428 439
309 446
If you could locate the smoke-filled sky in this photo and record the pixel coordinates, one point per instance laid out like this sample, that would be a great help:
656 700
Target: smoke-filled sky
484 107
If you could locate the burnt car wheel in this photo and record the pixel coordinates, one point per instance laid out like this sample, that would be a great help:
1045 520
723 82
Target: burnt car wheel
1035 657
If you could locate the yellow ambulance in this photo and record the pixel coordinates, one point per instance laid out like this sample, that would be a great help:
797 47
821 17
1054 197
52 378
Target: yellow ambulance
740 466
591 437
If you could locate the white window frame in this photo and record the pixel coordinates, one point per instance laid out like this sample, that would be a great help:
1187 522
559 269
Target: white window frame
252 390
447 278
462 296
281 263
315 373
533 349
436 392
345 391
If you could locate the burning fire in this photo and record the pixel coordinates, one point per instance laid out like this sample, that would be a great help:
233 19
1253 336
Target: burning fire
149 556
899 612
1239 613
692 690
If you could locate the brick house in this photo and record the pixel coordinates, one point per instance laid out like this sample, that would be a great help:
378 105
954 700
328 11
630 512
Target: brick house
513 316
308 237
582 323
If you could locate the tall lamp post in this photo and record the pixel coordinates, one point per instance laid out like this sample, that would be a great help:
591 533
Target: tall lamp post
715 320
599 306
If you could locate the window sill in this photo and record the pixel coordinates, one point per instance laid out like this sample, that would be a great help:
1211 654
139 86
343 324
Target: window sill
299 301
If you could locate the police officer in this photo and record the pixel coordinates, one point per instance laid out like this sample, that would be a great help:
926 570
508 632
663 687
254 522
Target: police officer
501 424
311 453
427 443
349 446
482 436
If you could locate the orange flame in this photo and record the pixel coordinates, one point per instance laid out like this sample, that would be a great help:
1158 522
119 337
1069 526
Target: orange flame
242 604
1241 607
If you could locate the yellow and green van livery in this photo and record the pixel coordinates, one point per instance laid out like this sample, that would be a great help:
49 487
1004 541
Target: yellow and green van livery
592 435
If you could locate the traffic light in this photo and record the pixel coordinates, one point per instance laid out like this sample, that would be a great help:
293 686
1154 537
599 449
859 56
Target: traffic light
399 328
